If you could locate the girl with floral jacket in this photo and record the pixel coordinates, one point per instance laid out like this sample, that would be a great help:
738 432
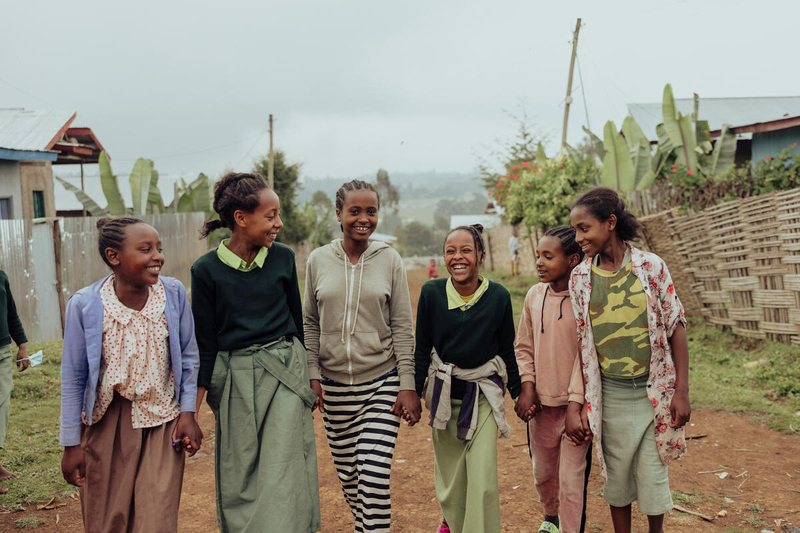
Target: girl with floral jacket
632 340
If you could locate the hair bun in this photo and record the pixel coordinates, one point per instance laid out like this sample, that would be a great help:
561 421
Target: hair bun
102 223
478 228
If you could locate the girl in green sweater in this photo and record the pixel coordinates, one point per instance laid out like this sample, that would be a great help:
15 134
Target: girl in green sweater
464 362
249 328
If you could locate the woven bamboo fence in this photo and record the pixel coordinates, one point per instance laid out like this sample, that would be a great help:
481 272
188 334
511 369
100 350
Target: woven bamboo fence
737 264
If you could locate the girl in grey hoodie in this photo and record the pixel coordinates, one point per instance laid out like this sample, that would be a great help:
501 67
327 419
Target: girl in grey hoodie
358 332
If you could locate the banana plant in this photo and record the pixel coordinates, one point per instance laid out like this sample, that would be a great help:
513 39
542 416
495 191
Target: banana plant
680 131
617 166
116 205
154 199
140 180
196 196
641 157
144 191
90 205
541 157
724 152
597 143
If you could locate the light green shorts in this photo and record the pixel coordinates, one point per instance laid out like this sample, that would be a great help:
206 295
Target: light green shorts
633 465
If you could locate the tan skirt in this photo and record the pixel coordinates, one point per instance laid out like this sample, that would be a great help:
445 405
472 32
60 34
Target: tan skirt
133 476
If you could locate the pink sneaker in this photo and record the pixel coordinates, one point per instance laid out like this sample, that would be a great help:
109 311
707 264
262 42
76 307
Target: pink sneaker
443 528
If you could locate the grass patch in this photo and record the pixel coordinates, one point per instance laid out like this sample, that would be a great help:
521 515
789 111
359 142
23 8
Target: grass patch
686 499
770 393
518 287
29 522
755 521
31 448
736 530
755 508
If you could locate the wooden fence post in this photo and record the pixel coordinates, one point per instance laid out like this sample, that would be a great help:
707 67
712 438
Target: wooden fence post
59 286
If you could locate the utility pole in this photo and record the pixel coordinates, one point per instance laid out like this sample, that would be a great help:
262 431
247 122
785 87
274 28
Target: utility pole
271 167
569 82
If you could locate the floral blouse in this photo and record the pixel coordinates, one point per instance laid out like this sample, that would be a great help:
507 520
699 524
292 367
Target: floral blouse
664 314
135 360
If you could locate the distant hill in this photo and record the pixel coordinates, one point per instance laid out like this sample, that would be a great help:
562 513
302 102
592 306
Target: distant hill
412 185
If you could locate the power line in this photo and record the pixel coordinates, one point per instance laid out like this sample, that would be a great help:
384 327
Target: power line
23 91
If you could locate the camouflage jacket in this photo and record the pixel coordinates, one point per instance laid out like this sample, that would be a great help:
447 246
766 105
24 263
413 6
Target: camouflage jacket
664 313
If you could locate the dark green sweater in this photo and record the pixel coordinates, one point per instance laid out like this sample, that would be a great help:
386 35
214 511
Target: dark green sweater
234 309
10 325
468 338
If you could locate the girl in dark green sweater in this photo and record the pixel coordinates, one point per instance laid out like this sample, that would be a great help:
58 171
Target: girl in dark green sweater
249 328
464 361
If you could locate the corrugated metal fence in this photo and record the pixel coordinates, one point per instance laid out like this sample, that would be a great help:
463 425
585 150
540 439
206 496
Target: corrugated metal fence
40 258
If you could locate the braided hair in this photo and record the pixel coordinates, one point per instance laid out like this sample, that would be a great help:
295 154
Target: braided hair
475 230
111 233
237 191
566 236
354 185
603 202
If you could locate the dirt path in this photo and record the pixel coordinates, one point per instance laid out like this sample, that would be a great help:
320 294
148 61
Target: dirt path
769 464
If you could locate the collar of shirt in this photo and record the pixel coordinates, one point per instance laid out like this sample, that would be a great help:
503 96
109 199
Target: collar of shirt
236 262
454 300
625 260
153 309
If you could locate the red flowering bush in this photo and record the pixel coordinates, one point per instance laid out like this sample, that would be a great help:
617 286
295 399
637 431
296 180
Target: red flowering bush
540 194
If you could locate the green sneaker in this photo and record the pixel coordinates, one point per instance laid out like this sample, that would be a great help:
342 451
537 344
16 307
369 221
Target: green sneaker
549 527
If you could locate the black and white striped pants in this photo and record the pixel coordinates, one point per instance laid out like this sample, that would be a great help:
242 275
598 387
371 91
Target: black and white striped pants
361 434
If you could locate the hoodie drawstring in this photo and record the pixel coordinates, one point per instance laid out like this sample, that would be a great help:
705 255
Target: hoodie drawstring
347 298
560 310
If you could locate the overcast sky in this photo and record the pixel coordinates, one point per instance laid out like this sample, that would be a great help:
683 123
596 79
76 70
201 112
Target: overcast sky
358 85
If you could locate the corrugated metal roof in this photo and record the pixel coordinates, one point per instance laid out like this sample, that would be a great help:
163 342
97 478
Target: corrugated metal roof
487 221
30 129
719 111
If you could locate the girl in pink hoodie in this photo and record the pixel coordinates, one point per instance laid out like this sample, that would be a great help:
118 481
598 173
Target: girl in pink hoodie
552 400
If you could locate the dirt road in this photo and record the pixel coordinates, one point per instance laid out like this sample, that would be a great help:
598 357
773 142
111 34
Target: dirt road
763 468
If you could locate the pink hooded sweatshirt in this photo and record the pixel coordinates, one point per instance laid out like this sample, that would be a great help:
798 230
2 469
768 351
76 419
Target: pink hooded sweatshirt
547 354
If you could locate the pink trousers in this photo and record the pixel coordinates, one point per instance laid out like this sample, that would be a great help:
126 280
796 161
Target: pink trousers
559 468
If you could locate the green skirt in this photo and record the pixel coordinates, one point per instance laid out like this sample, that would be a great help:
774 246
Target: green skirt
266 458
6 384
633 465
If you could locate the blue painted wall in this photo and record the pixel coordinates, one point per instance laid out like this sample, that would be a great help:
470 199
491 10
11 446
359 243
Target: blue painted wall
772 142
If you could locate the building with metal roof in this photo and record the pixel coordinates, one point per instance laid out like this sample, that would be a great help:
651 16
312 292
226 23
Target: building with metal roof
763 125
31 141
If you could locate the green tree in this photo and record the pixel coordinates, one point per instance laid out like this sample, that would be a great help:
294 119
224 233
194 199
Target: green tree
295 226
390 202
319 215
523 146
415 238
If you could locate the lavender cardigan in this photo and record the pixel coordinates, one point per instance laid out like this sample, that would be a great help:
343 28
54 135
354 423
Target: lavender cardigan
83 342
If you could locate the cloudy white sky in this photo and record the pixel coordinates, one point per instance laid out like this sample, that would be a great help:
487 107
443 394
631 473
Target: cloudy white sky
358 85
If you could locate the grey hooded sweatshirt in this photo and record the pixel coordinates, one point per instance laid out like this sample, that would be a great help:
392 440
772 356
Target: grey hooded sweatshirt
357 318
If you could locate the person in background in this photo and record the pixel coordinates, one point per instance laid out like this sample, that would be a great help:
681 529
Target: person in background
128 386
432 272
10 329
513 248
552 400
632 339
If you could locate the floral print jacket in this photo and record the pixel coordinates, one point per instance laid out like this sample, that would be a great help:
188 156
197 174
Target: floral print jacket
664 314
